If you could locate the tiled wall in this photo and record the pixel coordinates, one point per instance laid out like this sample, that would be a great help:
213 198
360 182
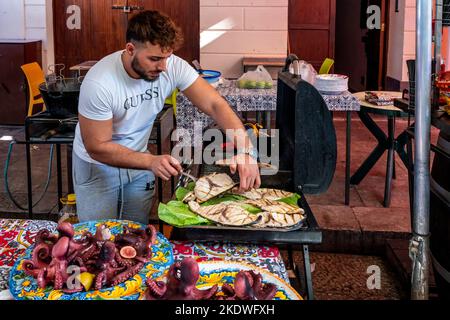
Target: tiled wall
232 29
28 20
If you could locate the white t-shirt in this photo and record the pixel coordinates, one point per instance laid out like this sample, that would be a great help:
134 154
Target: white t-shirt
108 92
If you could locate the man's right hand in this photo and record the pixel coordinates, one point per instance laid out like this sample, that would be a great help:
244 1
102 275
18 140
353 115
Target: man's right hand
165 166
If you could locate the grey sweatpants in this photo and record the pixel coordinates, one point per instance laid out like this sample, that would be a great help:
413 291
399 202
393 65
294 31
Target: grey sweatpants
105 192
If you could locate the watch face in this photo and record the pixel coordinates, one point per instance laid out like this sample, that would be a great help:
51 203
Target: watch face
252 152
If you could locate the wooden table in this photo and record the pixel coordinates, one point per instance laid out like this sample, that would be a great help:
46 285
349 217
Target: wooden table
390 143
266 61
84 66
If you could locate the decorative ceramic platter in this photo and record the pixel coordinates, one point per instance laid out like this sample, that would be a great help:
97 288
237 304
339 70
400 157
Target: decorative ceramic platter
24 287
220 272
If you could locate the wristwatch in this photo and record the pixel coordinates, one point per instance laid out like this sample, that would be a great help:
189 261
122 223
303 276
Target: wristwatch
252 152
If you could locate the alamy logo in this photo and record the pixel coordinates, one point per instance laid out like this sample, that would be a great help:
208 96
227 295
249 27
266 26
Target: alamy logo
374 280
137 100
74 20
374 17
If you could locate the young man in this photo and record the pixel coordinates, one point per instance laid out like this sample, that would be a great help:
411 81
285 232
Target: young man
121 95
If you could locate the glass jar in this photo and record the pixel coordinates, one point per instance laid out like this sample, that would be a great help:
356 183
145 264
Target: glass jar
68 213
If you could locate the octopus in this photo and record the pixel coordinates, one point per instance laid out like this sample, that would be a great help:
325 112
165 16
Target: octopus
248 286
181 280
53 255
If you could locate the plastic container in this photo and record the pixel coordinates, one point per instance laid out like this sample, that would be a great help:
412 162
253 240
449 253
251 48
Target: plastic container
211 76
68 212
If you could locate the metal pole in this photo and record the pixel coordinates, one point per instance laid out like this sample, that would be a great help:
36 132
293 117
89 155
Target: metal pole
419 245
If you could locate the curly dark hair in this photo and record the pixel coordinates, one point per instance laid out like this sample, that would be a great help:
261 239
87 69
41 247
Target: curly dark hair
156 28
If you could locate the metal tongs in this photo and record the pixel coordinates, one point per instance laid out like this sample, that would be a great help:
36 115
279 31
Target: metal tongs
185 174
188 175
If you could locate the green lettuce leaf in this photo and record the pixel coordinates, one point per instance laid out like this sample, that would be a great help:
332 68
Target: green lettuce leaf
181 192
177 213
223 198
292 200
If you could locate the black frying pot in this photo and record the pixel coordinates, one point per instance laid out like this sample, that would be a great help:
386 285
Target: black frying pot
61 97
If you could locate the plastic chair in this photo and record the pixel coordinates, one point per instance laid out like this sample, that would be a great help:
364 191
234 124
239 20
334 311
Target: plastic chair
35 76
326 66
172 100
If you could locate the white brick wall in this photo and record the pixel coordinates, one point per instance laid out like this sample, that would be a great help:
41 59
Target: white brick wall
36 25
232 29
28 20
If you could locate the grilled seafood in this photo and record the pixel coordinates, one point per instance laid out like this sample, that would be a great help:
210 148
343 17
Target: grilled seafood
274 206
278 220
190 196
263 193
210 186
275 214
225 213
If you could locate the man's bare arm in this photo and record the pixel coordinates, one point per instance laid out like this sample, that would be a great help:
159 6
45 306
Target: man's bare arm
97 139
208 100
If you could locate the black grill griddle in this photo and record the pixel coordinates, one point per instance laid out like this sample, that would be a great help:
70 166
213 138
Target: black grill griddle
308 234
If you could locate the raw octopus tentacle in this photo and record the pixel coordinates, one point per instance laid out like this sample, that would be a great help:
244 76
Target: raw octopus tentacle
128 273
89 252
79 262
262 291
142 259
139 232
243 286
156 289
100 280
74 290
45 236
248 286
86 238
30 269
228 290
42 255
65 229
42 279
181 281
151 233
59 281
198 294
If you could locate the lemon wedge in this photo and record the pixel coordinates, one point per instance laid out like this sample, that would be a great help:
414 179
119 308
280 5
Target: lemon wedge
86 279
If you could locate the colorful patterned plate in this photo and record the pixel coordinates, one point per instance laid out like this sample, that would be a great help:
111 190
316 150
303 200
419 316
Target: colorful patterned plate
220 272
24 287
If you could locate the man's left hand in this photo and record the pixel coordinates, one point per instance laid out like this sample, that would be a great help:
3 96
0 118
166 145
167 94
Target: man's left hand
248 171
